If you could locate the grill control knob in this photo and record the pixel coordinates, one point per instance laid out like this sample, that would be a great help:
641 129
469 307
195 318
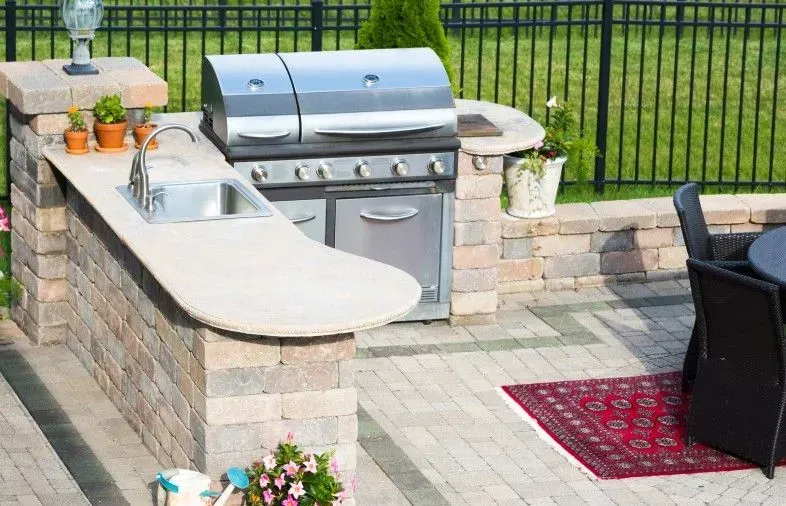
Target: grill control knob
302 171
437 165
258 173
325 170
363 168
400 167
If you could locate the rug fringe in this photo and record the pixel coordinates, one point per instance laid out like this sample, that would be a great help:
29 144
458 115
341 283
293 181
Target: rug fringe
542 434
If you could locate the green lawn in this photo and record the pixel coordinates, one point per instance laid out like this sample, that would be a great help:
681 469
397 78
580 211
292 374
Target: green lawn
671 142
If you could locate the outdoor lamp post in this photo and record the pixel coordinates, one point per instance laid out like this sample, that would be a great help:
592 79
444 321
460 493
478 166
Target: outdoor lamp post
81 18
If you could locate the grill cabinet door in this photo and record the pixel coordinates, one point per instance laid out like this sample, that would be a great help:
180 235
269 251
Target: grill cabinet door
402 231
308 215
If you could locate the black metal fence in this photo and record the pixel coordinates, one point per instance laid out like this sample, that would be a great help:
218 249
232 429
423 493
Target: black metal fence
671 90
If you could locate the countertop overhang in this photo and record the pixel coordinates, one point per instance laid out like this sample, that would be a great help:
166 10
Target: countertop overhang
257 276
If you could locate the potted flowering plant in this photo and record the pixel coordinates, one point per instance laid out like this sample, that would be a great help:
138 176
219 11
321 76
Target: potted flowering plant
532 176
290 477
110 125
143 129
76 133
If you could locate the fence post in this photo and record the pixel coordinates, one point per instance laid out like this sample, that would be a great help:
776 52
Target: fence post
317 13
222 13
603 94
10 55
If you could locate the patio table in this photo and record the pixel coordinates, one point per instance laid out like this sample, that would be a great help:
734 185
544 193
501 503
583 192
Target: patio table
767 256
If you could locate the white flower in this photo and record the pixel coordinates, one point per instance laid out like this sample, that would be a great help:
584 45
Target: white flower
296 490
552 102
269 462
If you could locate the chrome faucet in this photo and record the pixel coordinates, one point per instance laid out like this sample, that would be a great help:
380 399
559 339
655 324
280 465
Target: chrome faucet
138 180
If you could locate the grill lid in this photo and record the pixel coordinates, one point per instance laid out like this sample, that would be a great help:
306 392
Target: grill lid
369 80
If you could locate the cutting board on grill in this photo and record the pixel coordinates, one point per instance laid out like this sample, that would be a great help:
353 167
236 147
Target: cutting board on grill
476 125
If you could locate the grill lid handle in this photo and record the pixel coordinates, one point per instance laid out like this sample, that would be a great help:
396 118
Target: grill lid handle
380 132
264 135
375 216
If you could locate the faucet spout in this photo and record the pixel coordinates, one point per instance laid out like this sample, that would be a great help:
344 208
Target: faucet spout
139 179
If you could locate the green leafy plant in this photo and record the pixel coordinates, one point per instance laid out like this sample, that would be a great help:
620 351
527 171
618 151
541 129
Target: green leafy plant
289 477
147 114
76 121
405 23
563 138
10 291
110 110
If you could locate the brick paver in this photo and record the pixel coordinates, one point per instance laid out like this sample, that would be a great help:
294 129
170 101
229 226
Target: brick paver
432 389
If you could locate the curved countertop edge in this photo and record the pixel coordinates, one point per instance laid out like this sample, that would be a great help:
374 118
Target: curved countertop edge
408 289
519 131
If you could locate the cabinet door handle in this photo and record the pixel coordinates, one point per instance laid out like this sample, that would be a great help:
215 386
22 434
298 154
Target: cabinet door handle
263 135
302 218
382 216
370 133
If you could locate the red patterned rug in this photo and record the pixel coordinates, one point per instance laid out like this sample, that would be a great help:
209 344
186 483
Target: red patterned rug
619 427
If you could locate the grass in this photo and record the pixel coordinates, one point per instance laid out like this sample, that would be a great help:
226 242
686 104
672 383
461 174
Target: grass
679 107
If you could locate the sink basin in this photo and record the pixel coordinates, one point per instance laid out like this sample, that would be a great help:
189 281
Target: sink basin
199 201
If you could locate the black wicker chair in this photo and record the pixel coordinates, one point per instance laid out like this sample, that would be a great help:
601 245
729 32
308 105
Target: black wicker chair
724 250
739 394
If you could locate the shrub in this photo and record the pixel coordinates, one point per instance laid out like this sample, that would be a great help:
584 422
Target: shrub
76 121
109 110
405 23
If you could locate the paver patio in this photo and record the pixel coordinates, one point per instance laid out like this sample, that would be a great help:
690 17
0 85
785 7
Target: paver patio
434 429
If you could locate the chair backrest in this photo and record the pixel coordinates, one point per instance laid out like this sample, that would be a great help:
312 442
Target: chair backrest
694 226
740 322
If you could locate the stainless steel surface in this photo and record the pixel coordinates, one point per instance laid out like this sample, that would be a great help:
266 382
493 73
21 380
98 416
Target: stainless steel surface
479 162
303 172
282 172
374 133
402 231
310 216
258 173
437 165
377 124
325 170
138 180
363 168
198 201
400 167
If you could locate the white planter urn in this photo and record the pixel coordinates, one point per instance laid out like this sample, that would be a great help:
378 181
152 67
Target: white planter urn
530 196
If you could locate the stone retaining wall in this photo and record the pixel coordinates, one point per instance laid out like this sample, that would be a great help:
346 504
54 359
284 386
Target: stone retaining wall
200 397
583 245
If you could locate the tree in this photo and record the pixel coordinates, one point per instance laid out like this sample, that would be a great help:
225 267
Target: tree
405 23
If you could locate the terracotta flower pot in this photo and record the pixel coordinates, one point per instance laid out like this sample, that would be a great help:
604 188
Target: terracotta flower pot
110 135
76 141
141 131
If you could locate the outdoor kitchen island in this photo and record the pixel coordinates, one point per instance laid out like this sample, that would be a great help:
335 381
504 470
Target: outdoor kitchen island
216 338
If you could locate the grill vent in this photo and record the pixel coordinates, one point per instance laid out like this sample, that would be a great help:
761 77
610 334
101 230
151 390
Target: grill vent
429 294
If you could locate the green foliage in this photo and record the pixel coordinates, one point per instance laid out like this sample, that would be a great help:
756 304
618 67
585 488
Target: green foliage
109 110
406 23
76 121
565 138
147 113
320 485
10 291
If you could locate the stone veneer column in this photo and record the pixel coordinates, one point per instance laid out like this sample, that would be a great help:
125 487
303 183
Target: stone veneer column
40 94
476 239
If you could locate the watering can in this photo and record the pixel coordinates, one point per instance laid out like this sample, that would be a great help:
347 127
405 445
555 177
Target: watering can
237 479
182 487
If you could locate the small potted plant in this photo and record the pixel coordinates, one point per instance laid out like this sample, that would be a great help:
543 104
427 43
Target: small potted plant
143 129
110 124
288 477
532 176
76 133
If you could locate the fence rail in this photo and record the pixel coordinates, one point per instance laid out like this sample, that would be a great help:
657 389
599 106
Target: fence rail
671 90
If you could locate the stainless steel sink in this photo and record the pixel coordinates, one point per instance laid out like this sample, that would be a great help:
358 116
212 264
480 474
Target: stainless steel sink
199 201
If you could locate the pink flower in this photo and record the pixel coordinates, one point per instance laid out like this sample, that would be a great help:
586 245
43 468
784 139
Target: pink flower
280 482
334 465
354 483
269 462
5 226
264 480
341 496
310 465
268 496
296 490
291 468
289 501
537 145
290 437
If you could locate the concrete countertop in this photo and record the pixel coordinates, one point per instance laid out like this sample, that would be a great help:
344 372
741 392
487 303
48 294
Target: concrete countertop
257 276
519 131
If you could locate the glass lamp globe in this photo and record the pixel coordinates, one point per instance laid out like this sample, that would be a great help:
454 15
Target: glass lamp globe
81 18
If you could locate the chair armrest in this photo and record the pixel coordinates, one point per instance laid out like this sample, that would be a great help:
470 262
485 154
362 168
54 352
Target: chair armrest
732 246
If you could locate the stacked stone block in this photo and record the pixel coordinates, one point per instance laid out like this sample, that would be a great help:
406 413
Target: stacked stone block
40 94
476 239
199 396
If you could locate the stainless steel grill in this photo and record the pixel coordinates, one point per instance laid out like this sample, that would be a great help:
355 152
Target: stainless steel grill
357 148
